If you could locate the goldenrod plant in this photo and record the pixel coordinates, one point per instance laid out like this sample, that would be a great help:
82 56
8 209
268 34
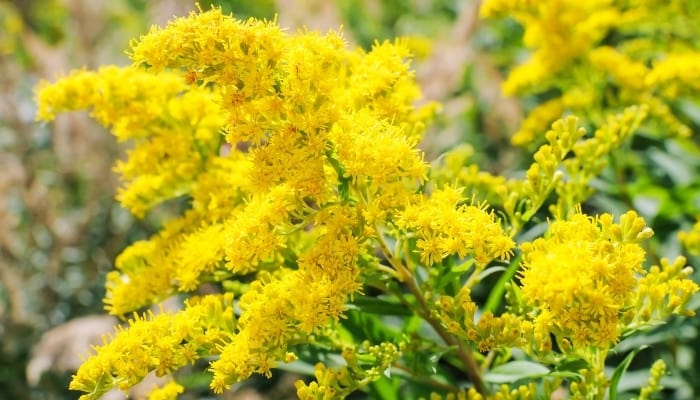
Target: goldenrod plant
317 234
595 57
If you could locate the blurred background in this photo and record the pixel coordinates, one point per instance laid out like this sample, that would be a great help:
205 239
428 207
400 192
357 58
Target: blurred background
60 227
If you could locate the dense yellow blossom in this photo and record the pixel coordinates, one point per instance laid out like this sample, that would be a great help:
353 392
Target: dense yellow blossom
132 111
559 30
280 310
167 392
310 125
321 147
582 275
628 73
676 74
586 275
175 132
162 343
444 227
297 160
582 288
601 56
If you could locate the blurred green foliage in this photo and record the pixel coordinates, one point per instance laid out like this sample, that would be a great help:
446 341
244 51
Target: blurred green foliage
262 9
61 227
370 21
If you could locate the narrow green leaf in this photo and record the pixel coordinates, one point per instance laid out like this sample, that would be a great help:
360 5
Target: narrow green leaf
369 326
379 306
298 367
573 365
453 273
384 388
412 325
343 181
490 271
515 371
496 295
620 370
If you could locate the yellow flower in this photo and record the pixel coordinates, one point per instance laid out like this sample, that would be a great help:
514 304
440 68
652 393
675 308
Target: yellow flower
162 343
290 305
580 276
444 227
167 392
691 238
676 74
571 54
175 132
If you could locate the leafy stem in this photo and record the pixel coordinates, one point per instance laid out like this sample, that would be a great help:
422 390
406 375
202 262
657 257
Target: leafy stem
462 349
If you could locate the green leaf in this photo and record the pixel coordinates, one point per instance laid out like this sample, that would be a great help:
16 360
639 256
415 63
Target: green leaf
679 170
412 325
380 306
496 293
574 365
196 380
612 395
368 326
490 271
453 273
385 388
515 371
634 340
299 367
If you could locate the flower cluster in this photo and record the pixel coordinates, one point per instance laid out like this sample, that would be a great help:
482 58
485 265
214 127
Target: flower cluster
309 203
487 332
364 364
176 133
522 392
281 310
162 343
318 147
658 370
602 56
582 288
581 277
169 391
443 227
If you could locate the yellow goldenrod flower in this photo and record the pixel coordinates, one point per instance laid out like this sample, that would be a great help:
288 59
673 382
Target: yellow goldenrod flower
162 343
571 52
444 227
175 133
658 370
297 158
691 238
167 392
580 277
585 279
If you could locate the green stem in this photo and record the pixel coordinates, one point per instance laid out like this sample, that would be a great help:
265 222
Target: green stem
463 351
